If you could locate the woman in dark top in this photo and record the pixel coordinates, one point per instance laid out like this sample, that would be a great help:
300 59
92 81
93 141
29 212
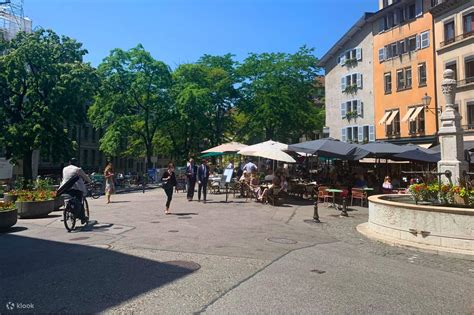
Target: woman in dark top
169 181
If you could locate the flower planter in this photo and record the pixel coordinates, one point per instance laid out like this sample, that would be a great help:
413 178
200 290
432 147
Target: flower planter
34 209
9 197
8 219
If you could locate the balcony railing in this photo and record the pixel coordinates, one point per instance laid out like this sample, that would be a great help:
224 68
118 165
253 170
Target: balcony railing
466 81
469 126
457 38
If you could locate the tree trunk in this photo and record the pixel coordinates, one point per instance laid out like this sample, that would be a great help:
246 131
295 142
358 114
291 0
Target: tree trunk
149 152
27 167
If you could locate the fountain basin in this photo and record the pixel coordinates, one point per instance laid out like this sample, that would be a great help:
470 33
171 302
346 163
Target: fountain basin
396 220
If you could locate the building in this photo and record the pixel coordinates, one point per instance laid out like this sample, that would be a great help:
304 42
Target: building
12 20
349 90
454 46
404 73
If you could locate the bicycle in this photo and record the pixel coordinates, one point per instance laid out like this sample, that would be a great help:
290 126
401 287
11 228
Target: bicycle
94 190
69 213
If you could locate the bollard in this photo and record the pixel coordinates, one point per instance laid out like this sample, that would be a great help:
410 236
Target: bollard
344 208
316 214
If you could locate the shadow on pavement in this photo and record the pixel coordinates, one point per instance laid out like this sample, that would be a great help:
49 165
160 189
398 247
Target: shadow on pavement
13 229
183 213
57 277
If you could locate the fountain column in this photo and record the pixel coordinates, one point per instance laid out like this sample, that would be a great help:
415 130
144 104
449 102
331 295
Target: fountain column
451 134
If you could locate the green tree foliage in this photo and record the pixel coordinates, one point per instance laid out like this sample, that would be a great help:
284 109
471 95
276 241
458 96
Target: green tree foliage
278 92
132 102
43 85
203 95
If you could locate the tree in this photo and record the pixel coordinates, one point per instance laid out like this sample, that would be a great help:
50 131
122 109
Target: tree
44 84
278 96
132 102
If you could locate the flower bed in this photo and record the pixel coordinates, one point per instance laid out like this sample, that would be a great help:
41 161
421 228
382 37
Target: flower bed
461 195
35 203
8 215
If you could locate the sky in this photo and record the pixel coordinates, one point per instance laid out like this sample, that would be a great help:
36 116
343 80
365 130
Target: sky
180 31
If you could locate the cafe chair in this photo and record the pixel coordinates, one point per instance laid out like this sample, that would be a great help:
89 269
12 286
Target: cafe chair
275 196
324 195
357 193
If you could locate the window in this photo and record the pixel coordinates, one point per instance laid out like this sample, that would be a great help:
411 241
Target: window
394 50
365 133
449 32
403 47
354 106
411 11
408 78
86 133
412 43
400 80
388 82
85 157
351 80
422 74
469 69
470 115
452 65
351 54
392 126
425 39
468 24
381 54
417 125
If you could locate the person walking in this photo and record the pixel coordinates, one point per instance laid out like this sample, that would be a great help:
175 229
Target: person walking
203 178
191 173
169 182
109 181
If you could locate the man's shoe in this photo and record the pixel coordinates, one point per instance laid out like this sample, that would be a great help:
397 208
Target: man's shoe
85 220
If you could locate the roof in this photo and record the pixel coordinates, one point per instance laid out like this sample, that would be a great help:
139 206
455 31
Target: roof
345 38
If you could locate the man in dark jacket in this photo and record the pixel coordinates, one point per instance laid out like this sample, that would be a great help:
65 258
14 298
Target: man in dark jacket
203 178
191 173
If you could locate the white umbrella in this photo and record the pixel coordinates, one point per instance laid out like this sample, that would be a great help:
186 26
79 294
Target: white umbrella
270 150
226 147
267 145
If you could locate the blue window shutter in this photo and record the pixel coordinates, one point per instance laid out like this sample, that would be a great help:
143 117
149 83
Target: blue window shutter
360 137
343 134
418 42
359 53
343 110
359 80
419 8
371 133
343 83
360 110
381 54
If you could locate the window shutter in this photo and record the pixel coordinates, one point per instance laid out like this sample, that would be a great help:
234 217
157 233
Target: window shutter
360 110
425 39
343 134
381 54
359 80
396 17
343 83
401 15
419 8
417 42
381 25
360 137
343 59
359 53
371 133
343 110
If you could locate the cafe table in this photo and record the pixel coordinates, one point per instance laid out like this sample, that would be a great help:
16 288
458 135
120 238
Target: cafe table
334 192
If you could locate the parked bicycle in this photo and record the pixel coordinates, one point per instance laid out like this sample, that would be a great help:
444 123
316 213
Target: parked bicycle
94 190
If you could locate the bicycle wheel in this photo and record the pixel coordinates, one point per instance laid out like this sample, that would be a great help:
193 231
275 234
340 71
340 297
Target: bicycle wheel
69 218
95 193
86 207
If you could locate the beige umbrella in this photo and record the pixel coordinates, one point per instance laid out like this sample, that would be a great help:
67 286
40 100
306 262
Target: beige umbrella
270 150
226 147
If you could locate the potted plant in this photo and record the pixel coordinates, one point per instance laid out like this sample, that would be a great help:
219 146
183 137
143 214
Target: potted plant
350 62
351 115
419 192
10 196
35 203
8 215
460 195
351 89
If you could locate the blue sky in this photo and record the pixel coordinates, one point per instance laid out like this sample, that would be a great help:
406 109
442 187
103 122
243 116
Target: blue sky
179 31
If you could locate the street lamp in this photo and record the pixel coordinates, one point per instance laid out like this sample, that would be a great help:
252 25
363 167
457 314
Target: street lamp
426 103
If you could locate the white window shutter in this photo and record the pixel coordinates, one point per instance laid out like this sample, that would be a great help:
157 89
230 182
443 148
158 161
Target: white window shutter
371 133
343 83
359 109
425 39
343 59
360 137
396 18
381 54
418 39
343 134
419 8
343 110
359 53
359 80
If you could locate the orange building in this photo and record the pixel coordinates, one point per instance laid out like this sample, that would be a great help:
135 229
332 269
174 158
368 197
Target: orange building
404 73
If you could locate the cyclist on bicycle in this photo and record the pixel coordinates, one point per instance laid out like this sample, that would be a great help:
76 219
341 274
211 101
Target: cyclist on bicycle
78 190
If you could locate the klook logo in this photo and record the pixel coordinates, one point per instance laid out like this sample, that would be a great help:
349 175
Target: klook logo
19 306
10 306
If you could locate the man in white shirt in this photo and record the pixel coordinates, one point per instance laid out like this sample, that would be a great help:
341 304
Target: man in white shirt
79 189
250 167
230 166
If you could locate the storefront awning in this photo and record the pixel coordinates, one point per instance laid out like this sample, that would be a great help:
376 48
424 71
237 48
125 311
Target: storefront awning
416 113
408 114
392 117
384 118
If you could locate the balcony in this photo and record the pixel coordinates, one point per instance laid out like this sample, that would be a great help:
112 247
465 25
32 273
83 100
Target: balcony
456 39
467 81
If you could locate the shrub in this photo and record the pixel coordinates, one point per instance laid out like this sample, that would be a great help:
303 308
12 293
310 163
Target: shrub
36 195
6 206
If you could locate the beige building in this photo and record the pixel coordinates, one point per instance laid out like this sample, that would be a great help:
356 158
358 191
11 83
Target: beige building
349 84
454 49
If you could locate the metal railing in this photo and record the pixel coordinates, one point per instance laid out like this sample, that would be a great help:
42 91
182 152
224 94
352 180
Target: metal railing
457 38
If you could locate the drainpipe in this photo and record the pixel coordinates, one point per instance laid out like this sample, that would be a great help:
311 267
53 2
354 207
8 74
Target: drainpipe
435 78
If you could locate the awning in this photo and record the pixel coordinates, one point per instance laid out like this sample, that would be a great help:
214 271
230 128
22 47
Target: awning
416 113
392 117
408 114
384 118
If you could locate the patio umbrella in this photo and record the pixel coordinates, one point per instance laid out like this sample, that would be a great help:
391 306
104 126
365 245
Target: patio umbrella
211 154
418 155
329 147
270 144
226 147
270 150
468 145
383 149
